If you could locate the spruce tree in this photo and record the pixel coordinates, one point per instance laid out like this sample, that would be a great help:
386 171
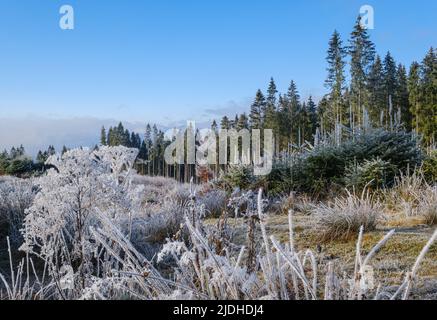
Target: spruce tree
293 98
389 78
312 124
256 111
402 97
214 126
224 124
362 54
270 117
243 122
335 80
414 93
376 88
428 110
103 137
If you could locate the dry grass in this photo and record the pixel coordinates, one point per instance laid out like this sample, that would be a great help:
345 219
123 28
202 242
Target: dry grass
427 207
396 257
343 218
287 256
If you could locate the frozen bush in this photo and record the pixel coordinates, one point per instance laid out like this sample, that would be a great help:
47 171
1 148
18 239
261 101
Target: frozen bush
324 167
81 184
149 231
405 195
215 202
427 206
342 219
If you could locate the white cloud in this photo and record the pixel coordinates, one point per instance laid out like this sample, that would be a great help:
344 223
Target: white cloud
230 109
37 133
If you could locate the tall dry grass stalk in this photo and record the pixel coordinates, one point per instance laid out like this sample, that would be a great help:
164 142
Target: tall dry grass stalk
343 218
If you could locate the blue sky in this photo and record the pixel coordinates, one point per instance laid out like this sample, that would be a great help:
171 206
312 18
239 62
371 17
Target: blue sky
168 60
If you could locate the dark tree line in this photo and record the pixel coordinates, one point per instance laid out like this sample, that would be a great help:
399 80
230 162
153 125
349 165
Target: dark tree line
17 163
151 147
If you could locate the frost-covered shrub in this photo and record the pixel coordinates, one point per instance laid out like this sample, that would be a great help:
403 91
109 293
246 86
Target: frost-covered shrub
323 168
427 205
215 202
157 190
81 185
372 174
180 193
343 218
16 195
406 192
149 231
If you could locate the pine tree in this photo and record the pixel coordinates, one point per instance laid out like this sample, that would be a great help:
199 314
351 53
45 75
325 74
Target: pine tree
270 119
283 123
376 88
389 78
243 122
362 53
256 111
224 124
50 151
335 80
234 123
312 118
294 106
414 93
428 110
110 140
402 97
271 93
324 114
103 137
40 157
214 126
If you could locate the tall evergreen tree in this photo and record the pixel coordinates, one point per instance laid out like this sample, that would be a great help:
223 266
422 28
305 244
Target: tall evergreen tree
103 137
376 88
214 126
428 110
270 116
224 124
362 53
389 78
335 80
312 118
293 109
271 93
256 111
243 122
402 97
414 93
